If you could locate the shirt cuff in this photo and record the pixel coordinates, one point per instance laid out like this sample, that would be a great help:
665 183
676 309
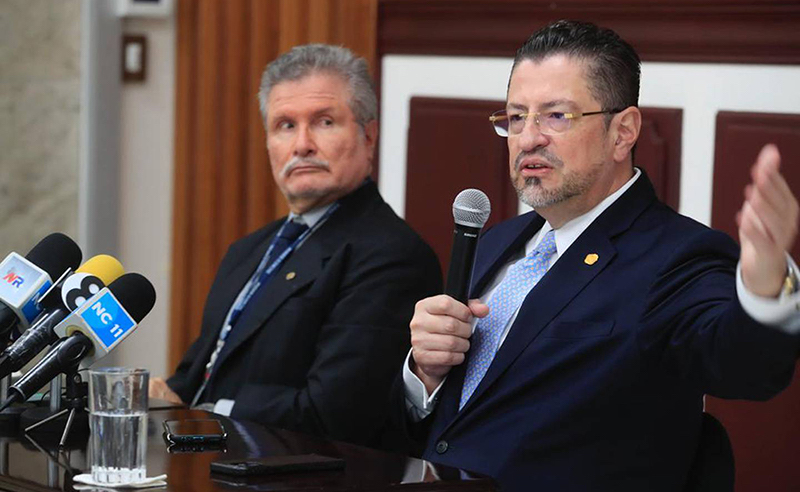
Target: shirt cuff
782 312
418 403
224 407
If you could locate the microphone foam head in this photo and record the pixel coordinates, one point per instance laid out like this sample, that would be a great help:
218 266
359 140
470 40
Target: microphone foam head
471 208
54 254
135 293
105 267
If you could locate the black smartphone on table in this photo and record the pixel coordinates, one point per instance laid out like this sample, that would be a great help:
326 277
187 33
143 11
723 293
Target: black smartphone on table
277 464
194 432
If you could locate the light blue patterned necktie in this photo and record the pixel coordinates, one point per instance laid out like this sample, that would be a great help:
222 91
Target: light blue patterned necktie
522 276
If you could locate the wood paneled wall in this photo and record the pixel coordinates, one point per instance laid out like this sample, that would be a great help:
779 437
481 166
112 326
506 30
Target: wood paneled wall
733 31
435 175
223 183
451 147
764 435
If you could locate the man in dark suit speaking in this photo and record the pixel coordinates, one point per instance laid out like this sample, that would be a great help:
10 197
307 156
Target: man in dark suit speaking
305 324
603 317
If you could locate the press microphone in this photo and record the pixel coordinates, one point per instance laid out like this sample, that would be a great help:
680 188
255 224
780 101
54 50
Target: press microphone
69 293
90 332
471 209
111 315
24 280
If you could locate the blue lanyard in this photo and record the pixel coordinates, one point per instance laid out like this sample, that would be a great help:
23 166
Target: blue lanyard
261 275
257 280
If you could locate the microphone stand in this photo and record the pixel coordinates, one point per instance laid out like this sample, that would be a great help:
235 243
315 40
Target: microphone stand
54 463
52 474
5 383
3 456
9 418
55 394
76 400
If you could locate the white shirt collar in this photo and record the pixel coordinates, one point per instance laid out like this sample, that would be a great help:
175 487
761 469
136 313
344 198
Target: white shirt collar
311 217
569 232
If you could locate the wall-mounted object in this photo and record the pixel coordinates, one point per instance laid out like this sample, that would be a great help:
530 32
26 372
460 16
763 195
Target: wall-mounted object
134 57
144 8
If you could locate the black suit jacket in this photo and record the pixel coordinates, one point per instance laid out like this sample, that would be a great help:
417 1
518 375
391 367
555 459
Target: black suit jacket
599 383
319 345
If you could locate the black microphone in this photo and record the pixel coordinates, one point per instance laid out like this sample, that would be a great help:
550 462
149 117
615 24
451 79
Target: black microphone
471 209
64 297
24 280
67 353
90 336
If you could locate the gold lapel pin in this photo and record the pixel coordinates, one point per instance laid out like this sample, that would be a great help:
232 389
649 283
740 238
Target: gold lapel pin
290 275
591 259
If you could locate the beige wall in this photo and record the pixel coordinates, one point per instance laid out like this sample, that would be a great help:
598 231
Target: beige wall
40 43
146 165
42 111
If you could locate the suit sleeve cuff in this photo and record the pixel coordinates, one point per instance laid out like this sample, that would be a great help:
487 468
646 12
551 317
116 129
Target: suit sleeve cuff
782 313
224 407
418 403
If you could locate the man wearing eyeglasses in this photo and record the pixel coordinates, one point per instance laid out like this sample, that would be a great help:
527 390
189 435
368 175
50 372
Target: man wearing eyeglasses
601 319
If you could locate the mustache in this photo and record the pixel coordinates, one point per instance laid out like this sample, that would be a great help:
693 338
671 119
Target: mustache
550 158
303 161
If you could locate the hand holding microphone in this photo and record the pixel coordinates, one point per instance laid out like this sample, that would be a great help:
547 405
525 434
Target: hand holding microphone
442 325
440 333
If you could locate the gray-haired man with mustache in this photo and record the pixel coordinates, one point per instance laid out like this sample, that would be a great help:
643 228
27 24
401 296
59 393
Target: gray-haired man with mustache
305 325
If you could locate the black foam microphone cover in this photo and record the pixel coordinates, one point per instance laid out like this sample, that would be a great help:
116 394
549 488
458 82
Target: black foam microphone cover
54 254
136 294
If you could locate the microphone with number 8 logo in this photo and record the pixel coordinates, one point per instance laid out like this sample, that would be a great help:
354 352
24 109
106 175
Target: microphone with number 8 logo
90 332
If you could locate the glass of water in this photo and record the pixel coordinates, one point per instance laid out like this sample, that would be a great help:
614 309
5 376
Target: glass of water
118 421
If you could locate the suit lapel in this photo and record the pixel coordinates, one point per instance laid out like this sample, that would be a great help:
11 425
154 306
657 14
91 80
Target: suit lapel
306 265
553 293
223 296
545 301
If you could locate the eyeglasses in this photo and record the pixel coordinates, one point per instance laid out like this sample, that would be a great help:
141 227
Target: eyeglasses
549 122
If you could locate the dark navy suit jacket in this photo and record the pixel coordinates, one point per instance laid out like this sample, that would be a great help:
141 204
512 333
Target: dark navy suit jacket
317 348
599 384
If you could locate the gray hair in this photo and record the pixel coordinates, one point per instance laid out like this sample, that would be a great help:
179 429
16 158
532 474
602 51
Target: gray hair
302 61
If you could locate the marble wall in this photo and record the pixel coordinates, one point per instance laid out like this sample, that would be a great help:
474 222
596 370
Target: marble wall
40 44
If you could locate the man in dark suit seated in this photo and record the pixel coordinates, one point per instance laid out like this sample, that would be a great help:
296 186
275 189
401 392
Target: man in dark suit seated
603 317
305 325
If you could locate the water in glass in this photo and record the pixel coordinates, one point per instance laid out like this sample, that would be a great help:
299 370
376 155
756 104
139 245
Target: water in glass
119 440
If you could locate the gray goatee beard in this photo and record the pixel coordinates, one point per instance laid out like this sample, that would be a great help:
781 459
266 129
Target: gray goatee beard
532 193
535 196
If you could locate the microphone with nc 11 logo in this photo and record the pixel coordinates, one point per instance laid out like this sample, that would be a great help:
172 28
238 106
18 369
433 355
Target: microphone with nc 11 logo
69 293
471 210
91 332
24 280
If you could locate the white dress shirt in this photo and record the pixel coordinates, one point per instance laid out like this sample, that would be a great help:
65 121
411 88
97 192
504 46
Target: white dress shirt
784 312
